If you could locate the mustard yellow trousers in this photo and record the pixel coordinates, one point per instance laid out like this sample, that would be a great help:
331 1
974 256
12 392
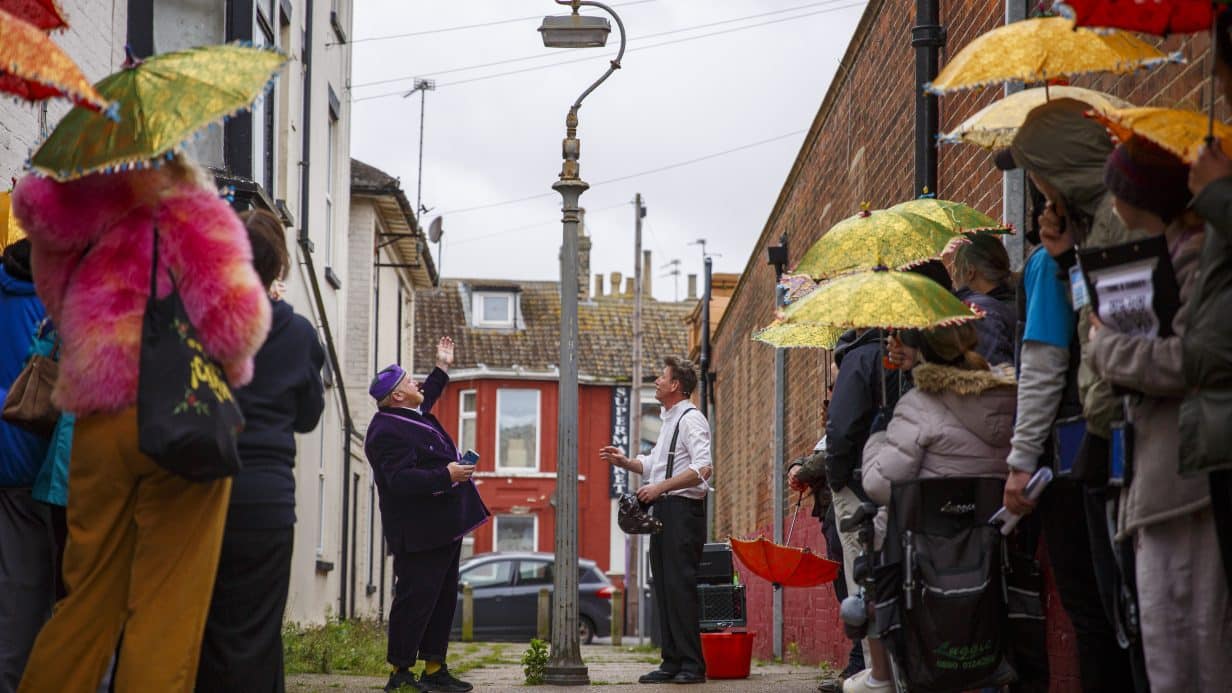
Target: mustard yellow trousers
142 553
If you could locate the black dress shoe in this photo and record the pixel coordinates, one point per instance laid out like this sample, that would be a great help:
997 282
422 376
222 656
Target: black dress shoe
658 676
444 682
403 681
689 677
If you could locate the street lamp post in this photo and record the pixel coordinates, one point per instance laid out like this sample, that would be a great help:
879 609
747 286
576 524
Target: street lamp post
565 667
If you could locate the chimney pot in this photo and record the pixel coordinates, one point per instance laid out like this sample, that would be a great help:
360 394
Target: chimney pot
598 286
692 287
629 286
614 282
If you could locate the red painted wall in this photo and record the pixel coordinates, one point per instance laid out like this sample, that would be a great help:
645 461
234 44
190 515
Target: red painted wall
504 492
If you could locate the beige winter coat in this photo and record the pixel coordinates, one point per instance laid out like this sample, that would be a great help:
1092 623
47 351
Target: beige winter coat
954 422
1153 367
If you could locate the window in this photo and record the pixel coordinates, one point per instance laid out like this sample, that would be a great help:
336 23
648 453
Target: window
516 532
330 155
495 309
517 430
650 425
467 412
534 573
263 116
491 574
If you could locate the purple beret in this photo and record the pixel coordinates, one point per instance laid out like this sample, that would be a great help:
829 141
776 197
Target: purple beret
385 381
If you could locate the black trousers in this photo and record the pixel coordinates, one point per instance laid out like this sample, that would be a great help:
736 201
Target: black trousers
675 555
425 594
242 647
1061 517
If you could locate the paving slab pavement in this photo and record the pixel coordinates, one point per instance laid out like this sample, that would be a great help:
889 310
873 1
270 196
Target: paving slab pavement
612 670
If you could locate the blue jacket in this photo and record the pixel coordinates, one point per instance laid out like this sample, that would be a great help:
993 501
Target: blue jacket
996 330
855 405
21 311
409 451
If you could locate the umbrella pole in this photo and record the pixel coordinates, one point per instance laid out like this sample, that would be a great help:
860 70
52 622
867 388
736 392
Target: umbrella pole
883 370
1210 90
794 517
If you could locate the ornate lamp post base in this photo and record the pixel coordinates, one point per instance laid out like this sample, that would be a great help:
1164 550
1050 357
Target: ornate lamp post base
564 674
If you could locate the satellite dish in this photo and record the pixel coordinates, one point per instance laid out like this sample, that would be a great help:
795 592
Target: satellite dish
435 230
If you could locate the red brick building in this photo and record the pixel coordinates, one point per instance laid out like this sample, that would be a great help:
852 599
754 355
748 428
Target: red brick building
860 148
502 399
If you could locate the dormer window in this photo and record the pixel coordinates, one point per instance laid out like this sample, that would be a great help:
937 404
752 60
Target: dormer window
494 309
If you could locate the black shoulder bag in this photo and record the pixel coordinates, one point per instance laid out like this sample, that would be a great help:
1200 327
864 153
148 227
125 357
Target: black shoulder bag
633 517
187 418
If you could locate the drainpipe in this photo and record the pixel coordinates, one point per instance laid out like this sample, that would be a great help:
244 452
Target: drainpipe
927 36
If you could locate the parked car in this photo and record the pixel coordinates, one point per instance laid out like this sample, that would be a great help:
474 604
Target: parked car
506 587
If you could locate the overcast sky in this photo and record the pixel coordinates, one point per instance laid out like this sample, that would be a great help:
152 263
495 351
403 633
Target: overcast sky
493 140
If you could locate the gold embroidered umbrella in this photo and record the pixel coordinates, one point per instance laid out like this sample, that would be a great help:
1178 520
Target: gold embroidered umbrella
164 101
954 216
880 298
1181 132
881 238
1043 48
33 67
10 230
994 126
43 14
799 335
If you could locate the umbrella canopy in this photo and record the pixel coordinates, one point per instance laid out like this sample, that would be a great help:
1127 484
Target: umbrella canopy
954 216
785 566
1043 48
880 298
1174 130
43 14
799 335
1158 17
882 238
995 125
33 67
164 101
796 286
10 231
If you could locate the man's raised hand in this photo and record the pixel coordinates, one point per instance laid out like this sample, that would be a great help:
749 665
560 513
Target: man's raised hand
613 456
444 353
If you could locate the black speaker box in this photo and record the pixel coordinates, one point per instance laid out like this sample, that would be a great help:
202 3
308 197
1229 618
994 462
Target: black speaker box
722 606
716 565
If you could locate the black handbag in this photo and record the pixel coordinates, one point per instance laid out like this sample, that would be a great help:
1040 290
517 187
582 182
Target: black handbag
633 516
187 417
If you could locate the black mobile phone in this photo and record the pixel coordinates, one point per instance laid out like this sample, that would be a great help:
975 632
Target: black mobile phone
469 457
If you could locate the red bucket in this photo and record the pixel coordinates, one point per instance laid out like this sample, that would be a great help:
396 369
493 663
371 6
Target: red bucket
728 655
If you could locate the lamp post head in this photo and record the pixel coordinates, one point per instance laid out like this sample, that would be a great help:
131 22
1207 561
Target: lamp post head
574 31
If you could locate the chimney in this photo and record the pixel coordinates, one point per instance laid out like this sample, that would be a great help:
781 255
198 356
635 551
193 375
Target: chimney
692 287
598 286
614 283
647 273
583 259
628 286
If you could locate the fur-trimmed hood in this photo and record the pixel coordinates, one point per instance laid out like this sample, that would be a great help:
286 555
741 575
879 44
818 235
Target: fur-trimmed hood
936 379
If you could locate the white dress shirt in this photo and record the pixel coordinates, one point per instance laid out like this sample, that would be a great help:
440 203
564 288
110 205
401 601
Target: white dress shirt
692 449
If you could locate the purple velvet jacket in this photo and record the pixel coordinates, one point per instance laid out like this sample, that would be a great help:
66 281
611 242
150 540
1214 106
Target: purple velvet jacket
421 509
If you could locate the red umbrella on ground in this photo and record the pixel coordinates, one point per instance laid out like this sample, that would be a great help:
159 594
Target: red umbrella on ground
44 14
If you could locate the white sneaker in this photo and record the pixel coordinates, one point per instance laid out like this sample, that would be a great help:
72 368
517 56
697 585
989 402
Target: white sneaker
859 684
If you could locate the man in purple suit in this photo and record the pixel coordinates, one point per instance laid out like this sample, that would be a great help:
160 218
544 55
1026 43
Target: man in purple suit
428 503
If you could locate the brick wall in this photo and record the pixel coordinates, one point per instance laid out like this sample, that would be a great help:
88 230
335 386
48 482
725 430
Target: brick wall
861 149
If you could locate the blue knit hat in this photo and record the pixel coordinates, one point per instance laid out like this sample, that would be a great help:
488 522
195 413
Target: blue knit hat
385 381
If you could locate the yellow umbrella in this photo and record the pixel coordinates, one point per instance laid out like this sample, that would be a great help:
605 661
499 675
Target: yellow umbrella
10 231
1036 50
799 335
994 126
881 238
1177 131
954 216
881 298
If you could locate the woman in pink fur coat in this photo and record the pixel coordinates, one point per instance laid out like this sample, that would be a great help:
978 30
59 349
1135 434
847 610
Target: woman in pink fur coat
143 543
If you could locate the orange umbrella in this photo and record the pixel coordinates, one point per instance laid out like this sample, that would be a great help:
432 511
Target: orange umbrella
784 566
1175 130
44 14
34 68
